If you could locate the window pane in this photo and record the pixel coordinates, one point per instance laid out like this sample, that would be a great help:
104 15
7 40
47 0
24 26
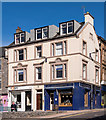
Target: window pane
84 71
18 38
96 75
52 49
70 27
64 28
22 37
59 48
65 72
66 99
21 54
20 75
45 33
39 34
84 48
59 71
15 75
39 51
38 73
15 55
52 71
65 48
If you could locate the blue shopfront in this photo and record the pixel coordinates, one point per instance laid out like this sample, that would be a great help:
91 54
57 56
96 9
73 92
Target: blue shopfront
103 90
72 96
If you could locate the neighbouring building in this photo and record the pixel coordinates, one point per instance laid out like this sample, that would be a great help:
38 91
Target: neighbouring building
102 44
3 80
55 67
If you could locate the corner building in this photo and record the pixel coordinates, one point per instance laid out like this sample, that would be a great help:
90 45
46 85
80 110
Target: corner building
55 68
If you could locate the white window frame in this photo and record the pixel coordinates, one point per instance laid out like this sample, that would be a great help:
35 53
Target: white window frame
96 75
18 75
20 38
84 71
43 33
56 49
38 51
37 72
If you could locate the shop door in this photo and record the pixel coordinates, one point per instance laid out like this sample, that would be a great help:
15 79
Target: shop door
51 101
39 101
28 100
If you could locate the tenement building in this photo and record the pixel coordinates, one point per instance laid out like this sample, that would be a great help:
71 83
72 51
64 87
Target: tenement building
102 44
55 67
3 80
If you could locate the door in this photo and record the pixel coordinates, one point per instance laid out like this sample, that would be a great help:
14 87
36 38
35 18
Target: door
39 101
51 101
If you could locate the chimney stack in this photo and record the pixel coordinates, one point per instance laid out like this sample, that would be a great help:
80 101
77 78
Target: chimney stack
18 30
89 18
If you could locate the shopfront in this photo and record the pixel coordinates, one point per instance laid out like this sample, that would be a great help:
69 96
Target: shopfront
71 96
22 96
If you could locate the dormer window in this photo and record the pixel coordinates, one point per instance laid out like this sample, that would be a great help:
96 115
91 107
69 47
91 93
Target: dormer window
44 32
41 33
19 38
66 28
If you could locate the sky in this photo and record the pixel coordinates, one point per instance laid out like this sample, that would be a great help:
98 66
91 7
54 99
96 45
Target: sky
30 15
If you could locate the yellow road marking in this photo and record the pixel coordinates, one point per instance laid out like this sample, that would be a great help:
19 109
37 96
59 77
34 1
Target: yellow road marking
71 115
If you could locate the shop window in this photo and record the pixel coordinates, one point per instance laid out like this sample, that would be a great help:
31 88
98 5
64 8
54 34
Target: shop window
19 101
65 99
86 99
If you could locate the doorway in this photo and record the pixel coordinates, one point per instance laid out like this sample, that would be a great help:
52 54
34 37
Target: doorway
28 101
51 101
39 100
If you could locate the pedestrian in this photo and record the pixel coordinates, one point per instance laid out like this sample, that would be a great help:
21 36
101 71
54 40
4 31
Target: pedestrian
13 107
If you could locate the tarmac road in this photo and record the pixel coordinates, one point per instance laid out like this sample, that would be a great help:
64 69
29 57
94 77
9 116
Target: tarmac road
91 115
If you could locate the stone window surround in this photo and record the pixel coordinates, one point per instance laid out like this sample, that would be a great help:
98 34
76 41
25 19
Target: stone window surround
17 54
54 43
16 68
84 62
58 61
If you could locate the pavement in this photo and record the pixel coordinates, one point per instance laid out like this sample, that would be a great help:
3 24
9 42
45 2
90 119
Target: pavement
95 114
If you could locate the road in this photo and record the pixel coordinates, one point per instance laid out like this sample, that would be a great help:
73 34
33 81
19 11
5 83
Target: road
95 115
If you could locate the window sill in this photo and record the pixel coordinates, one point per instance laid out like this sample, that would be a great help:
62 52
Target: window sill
65 105
59 79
